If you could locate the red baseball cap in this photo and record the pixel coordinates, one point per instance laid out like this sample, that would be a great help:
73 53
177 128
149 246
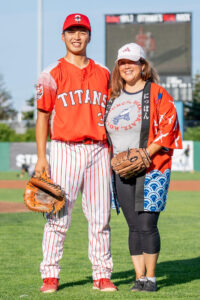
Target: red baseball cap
77 20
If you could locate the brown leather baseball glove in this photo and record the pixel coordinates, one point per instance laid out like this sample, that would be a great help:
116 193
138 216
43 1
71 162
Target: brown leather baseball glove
131 162
42 195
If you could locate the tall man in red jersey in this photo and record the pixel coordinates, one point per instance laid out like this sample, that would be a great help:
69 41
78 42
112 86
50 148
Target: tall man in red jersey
74 91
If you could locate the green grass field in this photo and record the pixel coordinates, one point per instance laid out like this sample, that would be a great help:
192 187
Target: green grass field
14 175
185 176
178 270
11 195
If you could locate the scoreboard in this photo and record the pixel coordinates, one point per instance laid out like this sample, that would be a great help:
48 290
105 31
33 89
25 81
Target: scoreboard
165 37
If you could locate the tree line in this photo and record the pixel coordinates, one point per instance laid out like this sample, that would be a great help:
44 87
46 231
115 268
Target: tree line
7 112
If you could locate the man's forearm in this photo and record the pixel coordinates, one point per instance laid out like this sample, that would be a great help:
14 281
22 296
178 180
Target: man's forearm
41 133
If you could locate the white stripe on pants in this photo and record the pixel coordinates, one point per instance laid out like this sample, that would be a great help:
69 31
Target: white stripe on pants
76 166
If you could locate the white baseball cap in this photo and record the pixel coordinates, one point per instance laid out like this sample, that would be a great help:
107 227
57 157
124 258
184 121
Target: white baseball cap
131 51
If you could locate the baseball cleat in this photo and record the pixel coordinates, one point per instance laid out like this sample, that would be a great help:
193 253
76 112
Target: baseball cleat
104 285
50 285
95 284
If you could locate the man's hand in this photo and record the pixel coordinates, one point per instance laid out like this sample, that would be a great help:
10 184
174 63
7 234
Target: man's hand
42 195
41 166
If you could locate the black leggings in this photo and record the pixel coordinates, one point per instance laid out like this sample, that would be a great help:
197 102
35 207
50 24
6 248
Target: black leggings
143 232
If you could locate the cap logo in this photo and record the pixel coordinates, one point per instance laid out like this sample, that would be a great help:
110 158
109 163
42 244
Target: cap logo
127 50
77 18
39 91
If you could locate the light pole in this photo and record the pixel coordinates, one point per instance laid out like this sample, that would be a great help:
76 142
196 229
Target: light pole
40 36
40 46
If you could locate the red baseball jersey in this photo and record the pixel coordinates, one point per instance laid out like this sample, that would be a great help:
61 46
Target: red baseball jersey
77 98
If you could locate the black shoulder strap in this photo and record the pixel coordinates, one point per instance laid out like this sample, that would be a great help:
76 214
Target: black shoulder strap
145 115
144 135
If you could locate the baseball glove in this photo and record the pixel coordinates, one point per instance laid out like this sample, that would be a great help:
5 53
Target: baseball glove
131 162
42 195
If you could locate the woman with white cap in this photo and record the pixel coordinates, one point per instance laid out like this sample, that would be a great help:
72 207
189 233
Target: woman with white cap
141 114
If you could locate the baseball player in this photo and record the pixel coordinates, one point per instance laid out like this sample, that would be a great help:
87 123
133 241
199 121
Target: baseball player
74 92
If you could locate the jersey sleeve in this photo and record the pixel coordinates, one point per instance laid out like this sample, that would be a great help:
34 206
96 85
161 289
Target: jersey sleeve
168 133
46 91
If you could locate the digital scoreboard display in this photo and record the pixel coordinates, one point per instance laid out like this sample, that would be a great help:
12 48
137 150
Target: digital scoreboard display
165 38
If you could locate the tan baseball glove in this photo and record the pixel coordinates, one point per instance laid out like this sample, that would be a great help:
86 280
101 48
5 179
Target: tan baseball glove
42 195
131 162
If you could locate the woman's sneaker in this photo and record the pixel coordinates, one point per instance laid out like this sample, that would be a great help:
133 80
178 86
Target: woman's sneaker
138 286
149 286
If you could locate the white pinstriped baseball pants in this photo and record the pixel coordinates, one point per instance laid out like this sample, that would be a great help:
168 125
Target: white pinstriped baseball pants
76 166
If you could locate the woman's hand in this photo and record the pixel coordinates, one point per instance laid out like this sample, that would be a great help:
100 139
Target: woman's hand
153 149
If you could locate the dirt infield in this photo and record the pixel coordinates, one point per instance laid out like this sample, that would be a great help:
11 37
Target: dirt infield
177 185
13 207
12 184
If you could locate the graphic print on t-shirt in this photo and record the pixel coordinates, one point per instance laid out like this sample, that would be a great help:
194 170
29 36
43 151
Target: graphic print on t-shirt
124 121
124 115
